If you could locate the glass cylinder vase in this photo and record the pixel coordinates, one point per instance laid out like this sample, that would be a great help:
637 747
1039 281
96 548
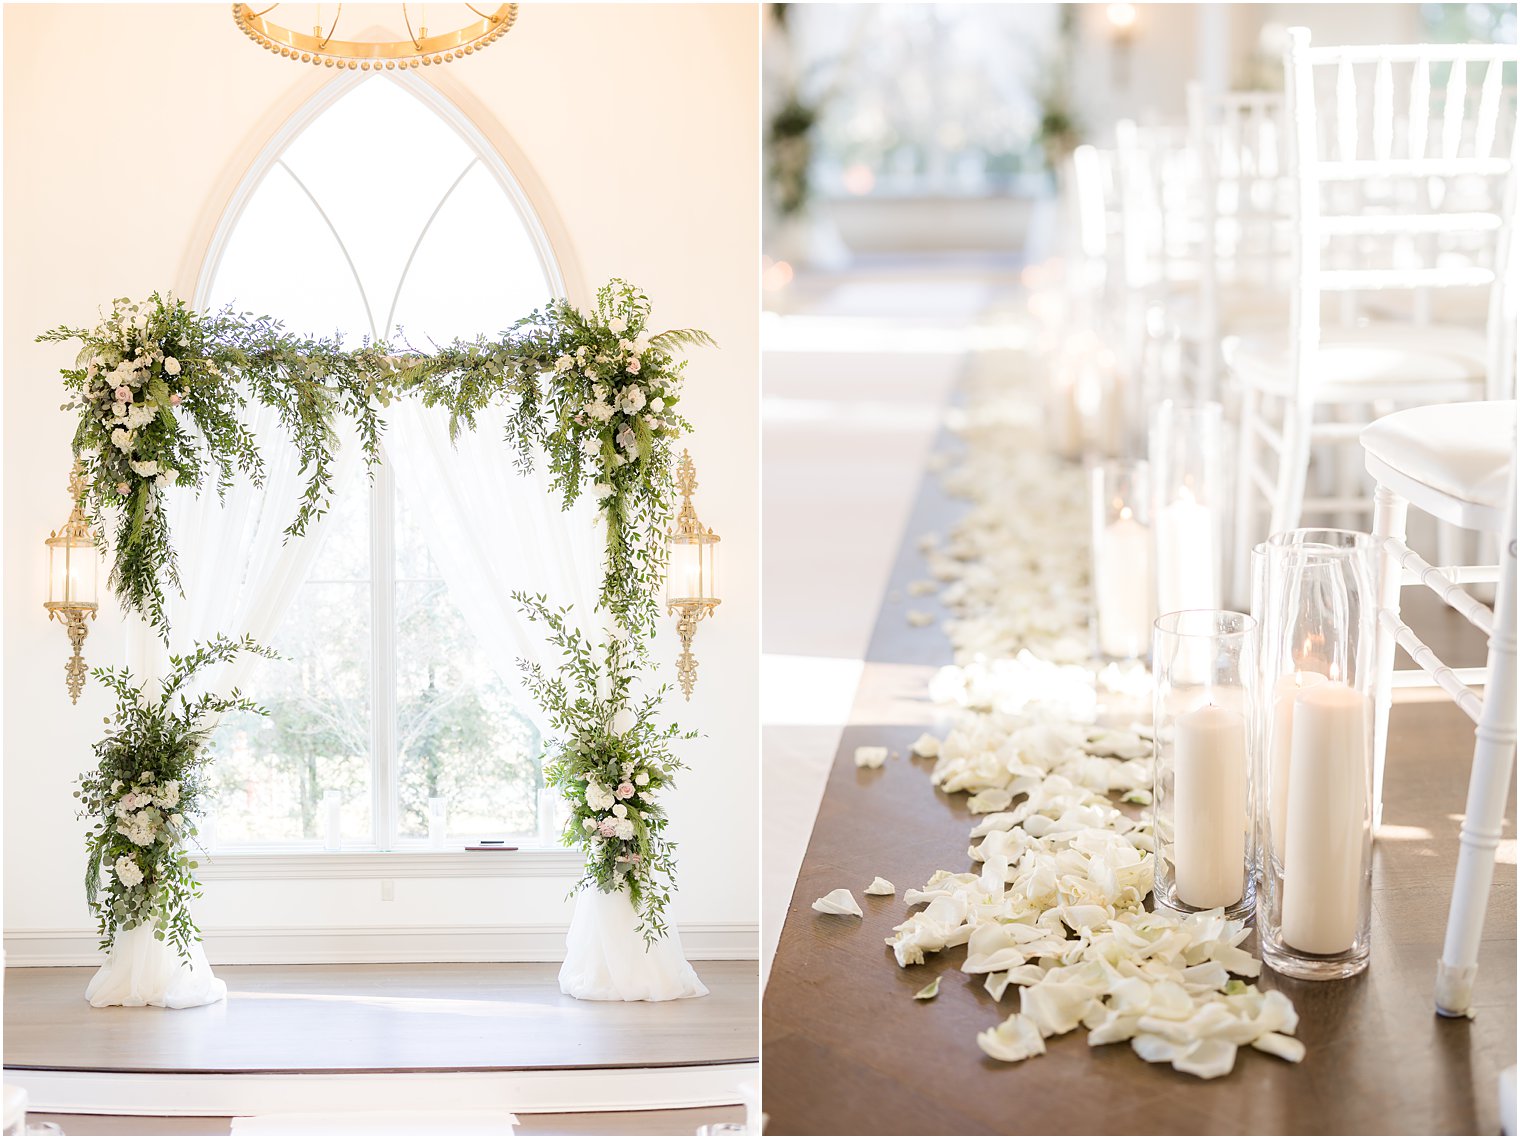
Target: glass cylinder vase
1204 664
1314 817
1123 595
1189 493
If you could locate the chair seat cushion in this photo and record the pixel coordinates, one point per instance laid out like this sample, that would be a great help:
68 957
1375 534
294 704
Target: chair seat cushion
1462 450
1367 355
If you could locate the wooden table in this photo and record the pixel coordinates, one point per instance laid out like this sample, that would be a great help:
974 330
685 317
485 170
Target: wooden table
846 1050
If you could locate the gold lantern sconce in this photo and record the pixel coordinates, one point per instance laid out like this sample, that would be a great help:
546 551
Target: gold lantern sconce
74 580
691 580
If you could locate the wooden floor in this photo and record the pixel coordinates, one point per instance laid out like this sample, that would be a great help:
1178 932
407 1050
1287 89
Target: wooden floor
847 1050
368 1018
683 1122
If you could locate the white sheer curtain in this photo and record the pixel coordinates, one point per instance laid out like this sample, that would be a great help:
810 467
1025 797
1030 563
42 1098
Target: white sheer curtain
496 530
240 575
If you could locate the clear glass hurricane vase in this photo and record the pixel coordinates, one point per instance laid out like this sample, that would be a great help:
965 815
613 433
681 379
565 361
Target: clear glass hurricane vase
1204 664
1314 817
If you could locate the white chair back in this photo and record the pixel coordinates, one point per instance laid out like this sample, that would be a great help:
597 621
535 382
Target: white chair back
1402 159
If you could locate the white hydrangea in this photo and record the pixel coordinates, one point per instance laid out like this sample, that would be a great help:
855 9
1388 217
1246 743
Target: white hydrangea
128 873
598 798
624 829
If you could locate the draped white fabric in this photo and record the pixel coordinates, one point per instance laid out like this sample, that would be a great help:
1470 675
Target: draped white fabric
240 575
494 529
503 530
606 958
141 970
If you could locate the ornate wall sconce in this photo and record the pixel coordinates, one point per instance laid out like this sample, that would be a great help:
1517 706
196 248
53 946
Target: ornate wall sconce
691 581
74 579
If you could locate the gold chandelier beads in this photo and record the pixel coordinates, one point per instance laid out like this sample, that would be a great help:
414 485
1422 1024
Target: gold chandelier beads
421 48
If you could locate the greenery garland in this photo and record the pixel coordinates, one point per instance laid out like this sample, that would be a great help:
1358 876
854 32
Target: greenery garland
610 760
144 796
161 392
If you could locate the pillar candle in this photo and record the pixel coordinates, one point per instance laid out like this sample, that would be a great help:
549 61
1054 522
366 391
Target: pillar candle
1279 757
1124 588
1187 556
1326 819
1209 850
438 821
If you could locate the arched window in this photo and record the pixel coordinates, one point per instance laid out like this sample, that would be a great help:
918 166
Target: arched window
380 217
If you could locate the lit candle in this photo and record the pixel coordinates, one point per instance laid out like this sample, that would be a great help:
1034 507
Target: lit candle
1279 758
1326 817
1187 555
1209 851
1124 588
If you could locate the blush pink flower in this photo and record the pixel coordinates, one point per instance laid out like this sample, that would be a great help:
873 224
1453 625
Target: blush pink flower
624 790
122 488
607 828
124 394
176 398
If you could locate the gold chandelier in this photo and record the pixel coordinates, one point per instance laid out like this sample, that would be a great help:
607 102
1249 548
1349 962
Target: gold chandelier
421 48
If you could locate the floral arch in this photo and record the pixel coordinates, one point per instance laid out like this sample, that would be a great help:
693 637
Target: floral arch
164 396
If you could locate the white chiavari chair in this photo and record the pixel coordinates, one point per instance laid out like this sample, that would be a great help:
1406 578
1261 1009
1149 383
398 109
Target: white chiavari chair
1245 246
1455 462
1387 146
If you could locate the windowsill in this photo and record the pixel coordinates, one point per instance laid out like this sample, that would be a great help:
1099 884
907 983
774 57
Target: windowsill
539 862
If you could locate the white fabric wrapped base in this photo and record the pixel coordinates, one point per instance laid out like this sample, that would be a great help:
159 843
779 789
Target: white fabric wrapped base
606 958
141 970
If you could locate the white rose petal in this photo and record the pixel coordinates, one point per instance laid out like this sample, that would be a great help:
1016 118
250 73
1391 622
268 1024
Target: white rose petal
1277 1044
870 756
926 745
1017 1038
880 885
840 902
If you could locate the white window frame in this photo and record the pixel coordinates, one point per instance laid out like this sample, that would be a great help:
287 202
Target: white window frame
405 858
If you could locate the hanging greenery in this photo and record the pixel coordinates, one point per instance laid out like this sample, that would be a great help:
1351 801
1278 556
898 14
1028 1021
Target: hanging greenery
162 392
610 760
143 799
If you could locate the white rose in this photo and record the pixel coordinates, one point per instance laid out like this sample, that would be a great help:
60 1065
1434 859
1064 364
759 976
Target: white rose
588 825
657 405
642 779
633 366
564 364
171 366
619 810
600 490
631 399
617 324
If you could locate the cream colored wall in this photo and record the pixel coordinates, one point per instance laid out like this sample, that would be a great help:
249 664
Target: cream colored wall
1167 41
128 127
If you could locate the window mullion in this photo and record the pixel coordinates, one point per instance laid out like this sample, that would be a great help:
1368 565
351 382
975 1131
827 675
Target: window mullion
383 656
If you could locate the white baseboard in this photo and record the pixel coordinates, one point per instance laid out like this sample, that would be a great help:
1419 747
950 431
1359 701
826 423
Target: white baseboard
373 945
223 1095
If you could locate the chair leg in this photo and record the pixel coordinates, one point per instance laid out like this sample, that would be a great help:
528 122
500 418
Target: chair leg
1292 467
1247 448
1487 794
1389 516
